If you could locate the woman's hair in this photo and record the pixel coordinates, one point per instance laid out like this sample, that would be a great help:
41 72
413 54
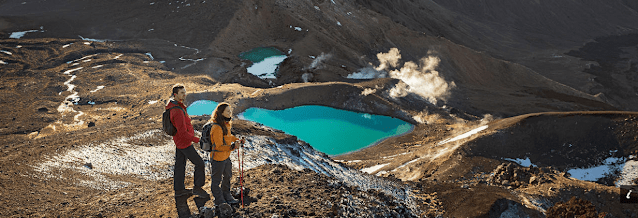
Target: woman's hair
218 118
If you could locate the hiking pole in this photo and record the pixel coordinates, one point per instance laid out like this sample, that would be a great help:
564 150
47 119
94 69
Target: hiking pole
240 159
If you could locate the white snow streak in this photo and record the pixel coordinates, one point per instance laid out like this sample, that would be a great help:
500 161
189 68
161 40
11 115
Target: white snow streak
372 169
97 89
464 135
17 35
523 162
68 72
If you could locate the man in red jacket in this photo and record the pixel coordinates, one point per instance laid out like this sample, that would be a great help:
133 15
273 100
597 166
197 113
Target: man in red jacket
183 139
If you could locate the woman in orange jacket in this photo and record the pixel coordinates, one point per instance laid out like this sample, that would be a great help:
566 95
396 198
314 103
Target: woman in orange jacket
222 167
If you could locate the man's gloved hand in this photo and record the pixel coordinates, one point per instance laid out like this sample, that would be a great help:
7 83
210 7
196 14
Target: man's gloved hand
233 146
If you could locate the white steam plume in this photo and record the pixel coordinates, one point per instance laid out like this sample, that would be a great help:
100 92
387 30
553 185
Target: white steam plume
318 63
391 58
420 78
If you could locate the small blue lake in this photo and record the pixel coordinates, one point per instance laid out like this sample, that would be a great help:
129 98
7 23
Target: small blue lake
326 129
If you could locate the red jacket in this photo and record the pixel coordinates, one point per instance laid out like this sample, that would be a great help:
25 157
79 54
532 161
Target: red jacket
185 133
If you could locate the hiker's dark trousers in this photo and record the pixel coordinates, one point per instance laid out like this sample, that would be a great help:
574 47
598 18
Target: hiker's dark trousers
221 171
180 168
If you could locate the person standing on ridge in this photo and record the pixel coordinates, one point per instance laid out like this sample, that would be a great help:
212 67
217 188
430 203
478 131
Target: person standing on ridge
184 149
221 166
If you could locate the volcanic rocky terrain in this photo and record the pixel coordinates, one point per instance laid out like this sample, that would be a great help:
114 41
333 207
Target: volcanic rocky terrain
510 101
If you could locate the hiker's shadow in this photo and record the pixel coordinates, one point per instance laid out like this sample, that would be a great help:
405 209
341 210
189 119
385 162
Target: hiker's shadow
181 204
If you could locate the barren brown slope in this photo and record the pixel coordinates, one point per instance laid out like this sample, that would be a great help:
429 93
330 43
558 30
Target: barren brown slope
475 172
354 35
552 38
351 34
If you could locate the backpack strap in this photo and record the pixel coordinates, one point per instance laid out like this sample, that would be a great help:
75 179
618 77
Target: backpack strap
177 106
211 138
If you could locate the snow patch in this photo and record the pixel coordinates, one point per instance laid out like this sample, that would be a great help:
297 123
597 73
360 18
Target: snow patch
116 57
464 135
6 52
65 107
628 174
408 163
372 169
97 89
2 62
266 69
92 40
17 35
68 72
392 156
153 102
596 172
149 55
98 66
523 162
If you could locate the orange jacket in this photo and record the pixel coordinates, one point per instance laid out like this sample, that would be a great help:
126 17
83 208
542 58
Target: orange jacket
222 151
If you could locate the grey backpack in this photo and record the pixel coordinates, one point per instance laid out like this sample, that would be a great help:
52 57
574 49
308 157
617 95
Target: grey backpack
167 125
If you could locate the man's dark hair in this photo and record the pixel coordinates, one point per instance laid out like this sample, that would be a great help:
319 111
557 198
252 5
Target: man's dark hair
176 88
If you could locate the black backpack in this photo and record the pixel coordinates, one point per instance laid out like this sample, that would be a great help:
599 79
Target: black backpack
205 143
167 125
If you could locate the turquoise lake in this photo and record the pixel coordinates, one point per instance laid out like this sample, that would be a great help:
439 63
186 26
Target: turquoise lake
331 131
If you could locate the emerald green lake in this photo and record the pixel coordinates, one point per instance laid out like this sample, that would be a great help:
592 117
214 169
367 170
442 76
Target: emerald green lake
331 131
259 54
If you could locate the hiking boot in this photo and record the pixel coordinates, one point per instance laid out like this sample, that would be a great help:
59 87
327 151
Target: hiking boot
230 200
225 210
233 201
183 192
200 192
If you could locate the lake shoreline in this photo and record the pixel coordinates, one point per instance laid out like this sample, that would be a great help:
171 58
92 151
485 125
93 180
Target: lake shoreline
412 127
